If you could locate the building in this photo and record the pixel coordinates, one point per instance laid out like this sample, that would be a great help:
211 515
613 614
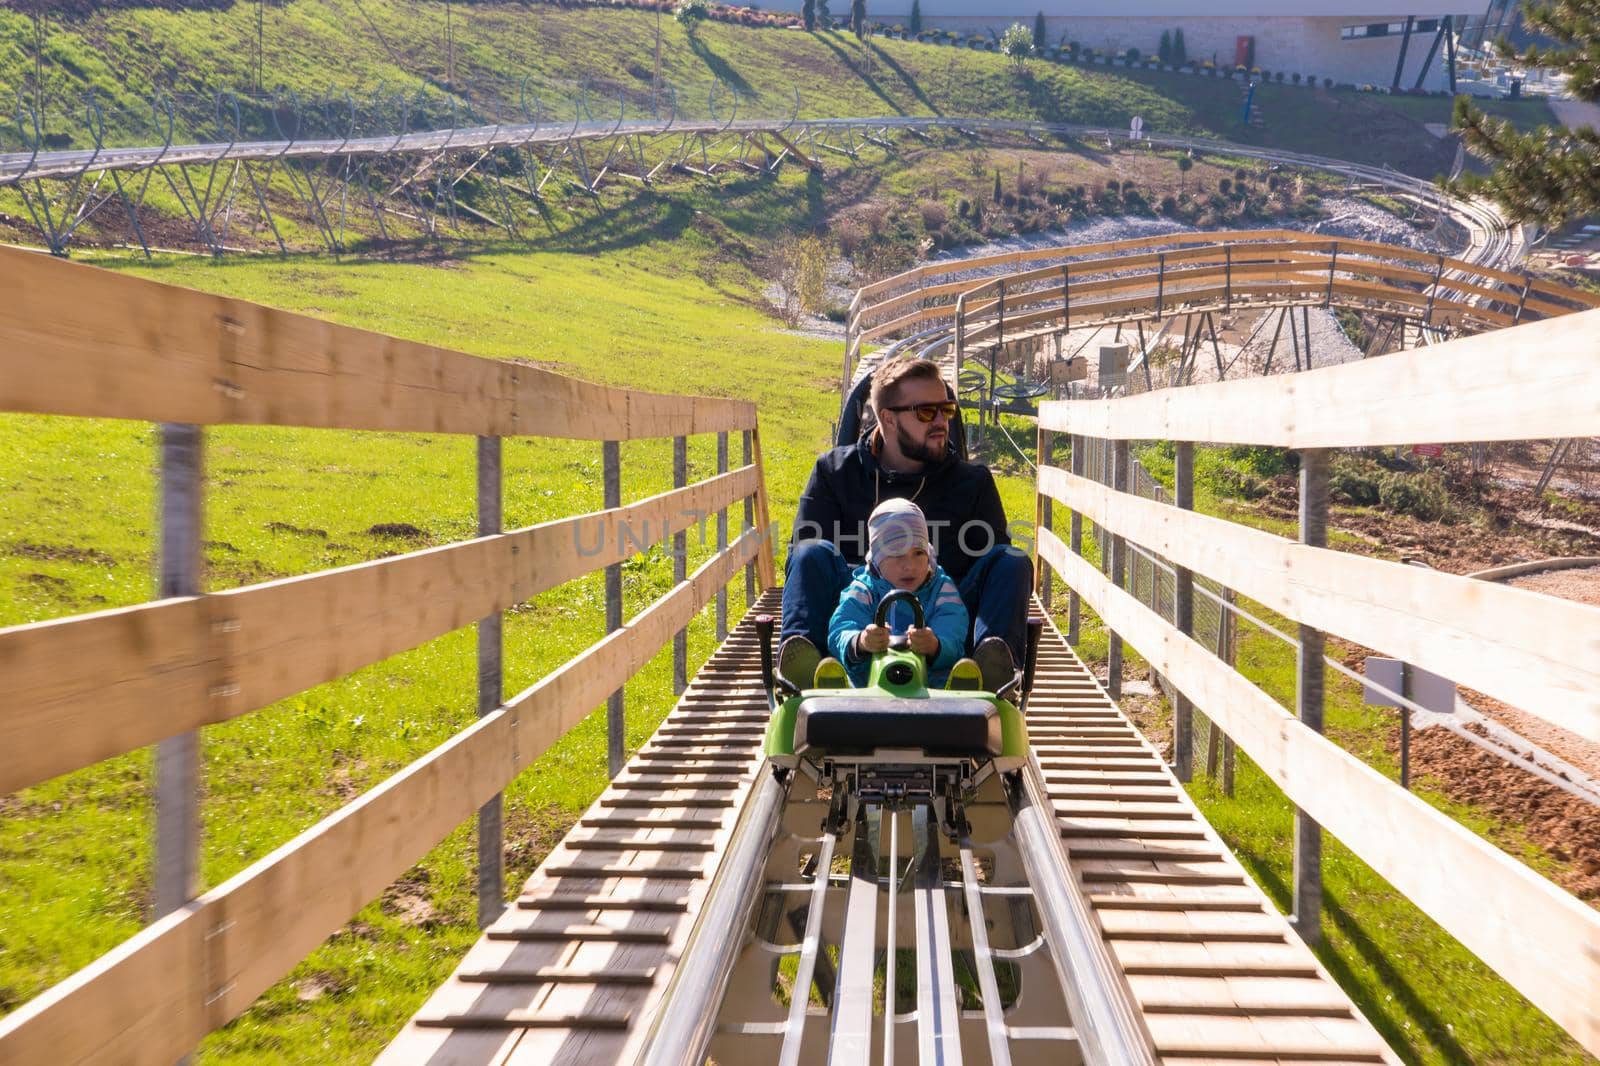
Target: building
1346 40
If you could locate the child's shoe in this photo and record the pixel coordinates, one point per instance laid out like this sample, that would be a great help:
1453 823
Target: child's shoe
965 676
831 674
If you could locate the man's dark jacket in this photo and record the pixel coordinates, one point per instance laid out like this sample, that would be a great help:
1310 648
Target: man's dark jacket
962 505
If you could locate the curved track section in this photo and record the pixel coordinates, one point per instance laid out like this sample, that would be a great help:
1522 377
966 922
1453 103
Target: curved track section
620 146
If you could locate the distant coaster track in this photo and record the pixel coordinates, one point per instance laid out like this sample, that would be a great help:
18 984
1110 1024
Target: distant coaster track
344 169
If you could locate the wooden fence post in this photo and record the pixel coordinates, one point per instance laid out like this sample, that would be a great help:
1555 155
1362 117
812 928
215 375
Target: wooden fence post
722 540
680 567
491 659
616 720
1183 610
177 779
1307 916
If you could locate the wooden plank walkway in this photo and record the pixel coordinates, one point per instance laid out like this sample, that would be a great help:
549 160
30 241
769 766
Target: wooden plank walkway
572 973
1218 973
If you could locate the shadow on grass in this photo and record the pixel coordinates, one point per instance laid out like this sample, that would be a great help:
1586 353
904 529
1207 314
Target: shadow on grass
868 80
905 79
720 67
1433 1029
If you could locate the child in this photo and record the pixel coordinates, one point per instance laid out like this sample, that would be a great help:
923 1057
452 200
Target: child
899 557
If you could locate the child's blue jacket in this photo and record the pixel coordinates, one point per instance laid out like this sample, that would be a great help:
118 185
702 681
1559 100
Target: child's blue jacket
942 611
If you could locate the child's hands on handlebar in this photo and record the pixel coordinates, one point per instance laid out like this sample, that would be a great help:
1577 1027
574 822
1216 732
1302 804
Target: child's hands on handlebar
873 639
924 641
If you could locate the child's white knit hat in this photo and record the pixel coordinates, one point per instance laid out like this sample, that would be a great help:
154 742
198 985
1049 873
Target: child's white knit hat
895 527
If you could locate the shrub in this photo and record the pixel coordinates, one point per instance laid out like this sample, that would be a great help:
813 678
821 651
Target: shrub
1353 485
1224 186
1017 44
690 12
1327 83
1419 495
1133 55
934 215
963 207
1278 77
1295 78
1169 205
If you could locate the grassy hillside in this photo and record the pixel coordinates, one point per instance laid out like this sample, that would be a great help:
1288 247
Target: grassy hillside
311 46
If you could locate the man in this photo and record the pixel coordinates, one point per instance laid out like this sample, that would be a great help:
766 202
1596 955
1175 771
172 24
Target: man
909 456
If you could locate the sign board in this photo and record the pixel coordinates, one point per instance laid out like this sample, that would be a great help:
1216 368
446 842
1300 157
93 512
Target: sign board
1428 691
1432 451
1136 128
1113 365
1066 370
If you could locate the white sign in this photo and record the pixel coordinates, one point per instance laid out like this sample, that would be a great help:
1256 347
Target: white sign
1428 691
1136 128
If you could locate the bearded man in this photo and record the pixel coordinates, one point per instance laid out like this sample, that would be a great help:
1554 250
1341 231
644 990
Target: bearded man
909 455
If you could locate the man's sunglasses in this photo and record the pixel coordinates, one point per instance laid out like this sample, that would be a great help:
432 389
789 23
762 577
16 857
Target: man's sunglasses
927 412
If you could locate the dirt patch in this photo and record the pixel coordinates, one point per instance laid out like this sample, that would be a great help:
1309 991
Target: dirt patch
285 527
409 901
396 529
1564 826
60 553
310 989
47 581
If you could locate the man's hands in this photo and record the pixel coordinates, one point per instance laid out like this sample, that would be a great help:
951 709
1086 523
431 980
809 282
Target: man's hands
875 638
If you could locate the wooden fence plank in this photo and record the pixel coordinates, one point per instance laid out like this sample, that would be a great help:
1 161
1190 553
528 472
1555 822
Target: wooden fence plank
1536 652
1534 381
151 999
84 341
1542 940
78 690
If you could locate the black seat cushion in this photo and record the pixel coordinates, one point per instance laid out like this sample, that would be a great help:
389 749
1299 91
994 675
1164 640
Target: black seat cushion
958 726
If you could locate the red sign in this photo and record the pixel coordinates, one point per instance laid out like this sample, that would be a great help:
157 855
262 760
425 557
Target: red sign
1432 451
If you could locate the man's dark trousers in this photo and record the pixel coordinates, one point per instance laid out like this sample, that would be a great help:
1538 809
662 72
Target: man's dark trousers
996 592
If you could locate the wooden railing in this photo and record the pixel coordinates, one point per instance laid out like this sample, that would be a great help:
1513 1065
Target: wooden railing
73 691
1532 651
1187 272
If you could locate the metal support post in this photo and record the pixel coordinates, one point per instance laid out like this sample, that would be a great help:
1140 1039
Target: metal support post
680 568
1307 917
1075 542
1183 611
1229 625
722 541
1405 726
1405 43
178 758
1044 517
616 722
1119 567
749 520
491 648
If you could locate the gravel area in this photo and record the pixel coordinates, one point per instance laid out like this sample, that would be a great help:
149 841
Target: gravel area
1578 584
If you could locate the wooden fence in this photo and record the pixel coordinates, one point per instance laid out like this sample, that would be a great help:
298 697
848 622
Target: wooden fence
1532 651
73 691
1192 272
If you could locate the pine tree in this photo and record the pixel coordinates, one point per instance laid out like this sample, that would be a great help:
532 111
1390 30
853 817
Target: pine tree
1180 53
1038 32
916 16
808 14
996 186
1549 174
858 18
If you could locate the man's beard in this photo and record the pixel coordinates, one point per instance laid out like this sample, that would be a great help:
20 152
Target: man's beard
920 451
